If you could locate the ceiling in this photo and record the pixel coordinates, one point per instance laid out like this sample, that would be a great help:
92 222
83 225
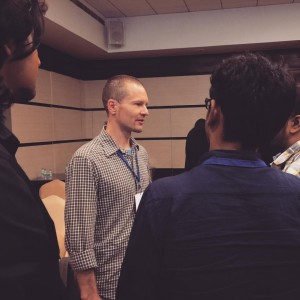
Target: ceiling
57 37
131 8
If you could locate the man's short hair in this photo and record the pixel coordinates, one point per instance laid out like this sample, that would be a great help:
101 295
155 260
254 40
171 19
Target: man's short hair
256 97
115 88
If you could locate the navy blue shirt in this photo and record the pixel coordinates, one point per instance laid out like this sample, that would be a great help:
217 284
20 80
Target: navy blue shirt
227 229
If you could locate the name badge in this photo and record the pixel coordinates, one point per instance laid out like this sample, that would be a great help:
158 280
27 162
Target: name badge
137 198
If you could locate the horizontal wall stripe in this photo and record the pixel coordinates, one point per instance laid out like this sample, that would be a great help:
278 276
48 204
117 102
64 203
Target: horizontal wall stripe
64 106
161 138
87 140
177 106
103 109
52 142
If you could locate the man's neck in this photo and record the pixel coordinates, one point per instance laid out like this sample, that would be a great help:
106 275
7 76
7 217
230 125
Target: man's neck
222 145
121 138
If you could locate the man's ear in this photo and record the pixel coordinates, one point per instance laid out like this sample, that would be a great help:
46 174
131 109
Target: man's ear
112 106
6 51
213 116
294 125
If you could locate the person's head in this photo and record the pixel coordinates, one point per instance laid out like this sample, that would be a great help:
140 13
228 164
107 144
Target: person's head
125 101
21 28
290 133
251 98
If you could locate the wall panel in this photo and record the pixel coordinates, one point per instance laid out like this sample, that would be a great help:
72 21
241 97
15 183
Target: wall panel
99 119
159 153
66 90
72 113
87 124
32 123
157 124
62 155
67 124
177 90
34 158
178 154
183 119
92 93
43 87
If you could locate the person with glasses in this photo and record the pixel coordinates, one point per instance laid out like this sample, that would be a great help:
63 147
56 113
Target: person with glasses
286 144
29 254
230 227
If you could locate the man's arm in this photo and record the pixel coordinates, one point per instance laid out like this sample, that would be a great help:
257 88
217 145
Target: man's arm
80 219
87 285
141 266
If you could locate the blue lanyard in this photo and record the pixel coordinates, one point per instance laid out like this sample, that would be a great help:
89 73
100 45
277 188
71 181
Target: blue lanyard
137 175
234 162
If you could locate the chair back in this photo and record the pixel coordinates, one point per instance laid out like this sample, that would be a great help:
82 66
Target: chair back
56 207
54 187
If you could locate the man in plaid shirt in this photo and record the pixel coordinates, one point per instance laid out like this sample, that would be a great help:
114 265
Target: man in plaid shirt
287 142
104 181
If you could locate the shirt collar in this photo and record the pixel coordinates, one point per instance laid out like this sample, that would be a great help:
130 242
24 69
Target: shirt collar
233 154
285 156
111 146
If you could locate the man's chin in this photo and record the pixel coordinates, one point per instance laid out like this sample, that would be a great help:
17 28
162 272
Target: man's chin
23 96
137 130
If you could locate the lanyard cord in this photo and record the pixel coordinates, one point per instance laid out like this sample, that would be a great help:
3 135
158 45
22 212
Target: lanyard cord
137 176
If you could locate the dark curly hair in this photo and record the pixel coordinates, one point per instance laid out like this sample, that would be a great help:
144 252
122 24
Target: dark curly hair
19 19
256 97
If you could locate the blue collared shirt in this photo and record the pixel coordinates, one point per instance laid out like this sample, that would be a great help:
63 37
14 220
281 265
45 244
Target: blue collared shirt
218 231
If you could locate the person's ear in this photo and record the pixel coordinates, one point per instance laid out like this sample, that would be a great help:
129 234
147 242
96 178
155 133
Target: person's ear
213 117
6 51
112 106
294 124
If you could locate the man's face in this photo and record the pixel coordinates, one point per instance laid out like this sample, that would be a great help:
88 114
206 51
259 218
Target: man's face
281 141
132 109
20 76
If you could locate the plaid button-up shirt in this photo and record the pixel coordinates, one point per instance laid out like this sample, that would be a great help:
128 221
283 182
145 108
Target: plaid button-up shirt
100 208
289 160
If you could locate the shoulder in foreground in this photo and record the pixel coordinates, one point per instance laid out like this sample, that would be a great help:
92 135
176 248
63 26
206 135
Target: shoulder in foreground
286 179
169 185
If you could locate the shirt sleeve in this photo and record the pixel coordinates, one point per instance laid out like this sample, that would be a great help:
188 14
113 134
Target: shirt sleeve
80 213
141 266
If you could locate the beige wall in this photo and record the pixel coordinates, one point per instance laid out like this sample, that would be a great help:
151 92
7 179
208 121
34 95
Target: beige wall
43 124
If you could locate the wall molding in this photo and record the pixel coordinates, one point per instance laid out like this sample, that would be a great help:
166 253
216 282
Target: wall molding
103 109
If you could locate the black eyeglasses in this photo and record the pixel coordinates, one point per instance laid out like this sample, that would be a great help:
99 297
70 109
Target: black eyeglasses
207 103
